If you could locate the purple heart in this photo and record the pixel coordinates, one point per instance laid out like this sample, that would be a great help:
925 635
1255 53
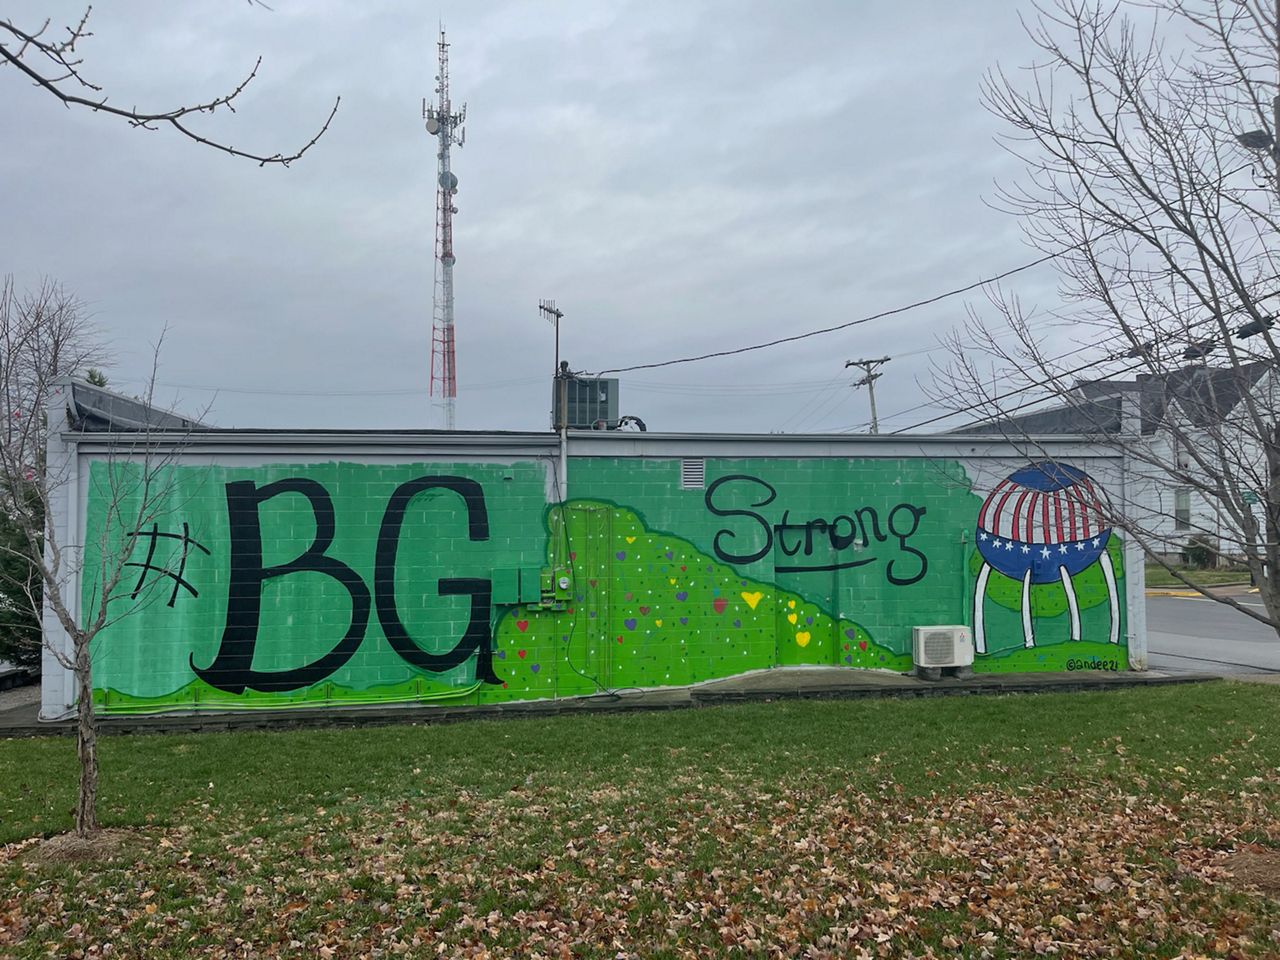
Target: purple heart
629 623
535 667
808 620
737 623
621 554
851 633
592 614
684 621
682 596
502 654
848 659
668 554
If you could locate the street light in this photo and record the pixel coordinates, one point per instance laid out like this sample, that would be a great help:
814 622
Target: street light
1255 140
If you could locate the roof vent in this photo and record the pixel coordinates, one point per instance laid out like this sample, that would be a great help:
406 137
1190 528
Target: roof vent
693 474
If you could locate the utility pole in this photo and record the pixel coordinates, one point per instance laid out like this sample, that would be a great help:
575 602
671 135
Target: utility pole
552 313
870 377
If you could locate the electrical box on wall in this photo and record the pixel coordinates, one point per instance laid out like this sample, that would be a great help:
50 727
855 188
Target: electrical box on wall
538 587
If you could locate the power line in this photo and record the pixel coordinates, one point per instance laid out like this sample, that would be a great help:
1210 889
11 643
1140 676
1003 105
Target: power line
852 323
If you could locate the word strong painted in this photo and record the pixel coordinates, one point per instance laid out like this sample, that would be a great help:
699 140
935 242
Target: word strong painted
232 669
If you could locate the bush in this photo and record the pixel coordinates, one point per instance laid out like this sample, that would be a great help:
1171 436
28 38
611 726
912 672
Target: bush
1200 552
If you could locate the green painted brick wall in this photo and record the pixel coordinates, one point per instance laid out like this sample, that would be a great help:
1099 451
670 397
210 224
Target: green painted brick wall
661 589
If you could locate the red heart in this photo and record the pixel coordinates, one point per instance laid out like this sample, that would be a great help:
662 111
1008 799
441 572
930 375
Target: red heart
573 556
719 603
522 625
522 653
643 611
862 645
593 582
630 596
683 568
619 639
846 646
504 684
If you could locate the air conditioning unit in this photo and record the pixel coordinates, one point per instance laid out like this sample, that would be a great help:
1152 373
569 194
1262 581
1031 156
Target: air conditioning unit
942 646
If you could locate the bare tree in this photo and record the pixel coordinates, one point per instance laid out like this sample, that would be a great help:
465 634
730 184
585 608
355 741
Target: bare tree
53 63
45 338
1148 130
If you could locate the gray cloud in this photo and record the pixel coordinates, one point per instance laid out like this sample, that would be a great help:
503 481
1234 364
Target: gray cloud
682 177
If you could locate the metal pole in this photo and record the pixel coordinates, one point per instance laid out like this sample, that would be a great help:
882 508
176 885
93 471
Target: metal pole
870 378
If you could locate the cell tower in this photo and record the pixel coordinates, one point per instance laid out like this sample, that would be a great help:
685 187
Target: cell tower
446 126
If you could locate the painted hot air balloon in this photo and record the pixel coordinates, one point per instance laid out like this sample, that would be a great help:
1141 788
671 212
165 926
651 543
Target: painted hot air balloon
1044 523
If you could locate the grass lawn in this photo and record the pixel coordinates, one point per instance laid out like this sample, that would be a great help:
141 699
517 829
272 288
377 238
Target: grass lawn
1158 576
1067 824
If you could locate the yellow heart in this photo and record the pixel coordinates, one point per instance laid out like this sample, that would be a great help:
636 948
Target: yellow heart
671 580
792 605
631 539
802 638
752 598
658 622
791 617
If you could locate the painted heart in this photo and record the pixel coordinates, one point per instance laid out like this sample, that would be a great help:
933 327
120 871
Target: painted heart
737 623
809 621
502 654
592 583
802 638
791 604
792 618
851 633
643 611
592 614
621 554
619 638
683 568
522 654
848 659
682 596
629 623
719 604
862 645
630 596
535 667
658 622
668 555
630 539
671 580
522 625
752 598
846 646
684 621
573 555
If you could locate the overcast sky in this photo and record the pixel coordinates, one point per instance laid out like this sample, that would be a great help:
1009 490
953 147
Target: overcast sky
680 176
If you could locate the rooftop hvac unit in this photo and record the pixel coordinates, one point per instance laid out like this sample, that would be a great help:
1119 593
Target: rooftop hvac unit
942 646
590 403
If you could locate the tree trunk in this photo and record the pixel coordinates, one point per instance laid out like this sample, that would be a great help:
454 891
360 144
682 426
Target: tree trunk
86 743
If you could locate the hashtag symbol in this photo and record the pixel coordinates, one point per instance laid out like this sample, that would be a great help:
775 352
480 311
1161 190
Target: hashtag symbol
149 566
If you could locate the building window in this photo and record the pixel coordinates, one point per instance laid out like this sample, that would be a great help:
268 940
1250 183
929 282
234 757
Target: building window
1182 509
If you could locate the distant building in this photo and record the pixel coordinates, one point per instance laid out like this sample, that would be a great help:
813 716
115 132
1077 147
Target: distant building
1167 423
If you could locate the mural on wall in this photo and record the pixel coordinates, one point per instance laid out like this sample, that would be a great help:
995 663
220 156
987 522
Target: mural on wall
346 583
1046 523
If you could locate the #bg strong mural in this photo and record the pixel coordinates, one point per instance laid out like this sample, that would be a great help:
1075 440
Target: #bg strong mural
361 583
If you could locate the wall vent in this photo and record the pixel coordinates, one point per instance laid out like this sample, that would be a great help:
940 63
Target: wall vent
693 474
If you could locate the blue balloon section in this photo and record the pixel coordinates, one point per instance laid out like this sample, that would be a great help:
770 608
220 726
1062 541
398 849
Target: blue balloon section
1014 559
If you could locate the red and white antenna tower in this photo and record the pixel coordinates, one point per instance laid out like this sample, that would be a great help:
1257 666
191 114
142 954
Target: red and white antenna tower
445 125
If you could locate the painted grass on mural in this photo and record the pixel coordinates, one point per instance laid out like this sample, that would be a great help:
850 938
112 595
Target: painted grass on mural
1086 824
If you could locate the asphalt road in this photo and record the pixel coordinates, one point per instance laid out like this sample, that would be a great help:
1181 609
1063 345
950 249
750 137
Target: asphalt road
1194 635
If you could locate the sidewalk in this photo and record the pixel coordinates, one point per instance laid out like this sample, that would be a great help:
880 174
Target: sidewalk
763 685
